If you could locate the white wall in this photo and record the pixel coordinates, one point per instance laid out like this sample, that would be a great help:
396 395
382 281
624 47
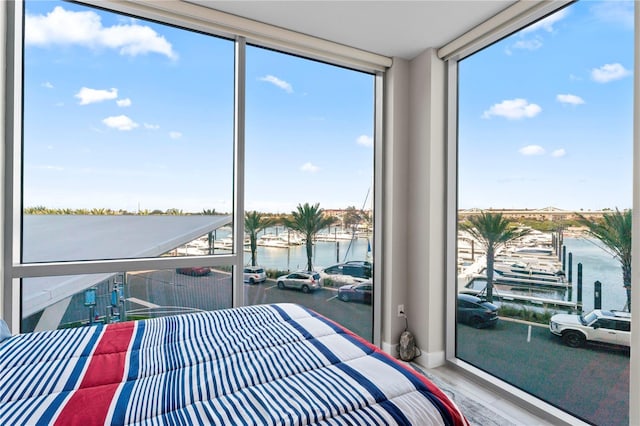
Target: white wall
394 247
414 208
426 207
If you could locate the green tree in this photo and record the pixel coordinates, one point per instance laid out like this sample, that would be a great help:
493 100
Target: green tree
351 218
209 212
255 222
614 231
308 220
492 231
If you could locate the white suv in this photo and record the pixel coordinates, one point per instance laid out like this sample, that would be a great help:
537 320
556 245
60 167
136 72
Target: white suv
254 274
612 327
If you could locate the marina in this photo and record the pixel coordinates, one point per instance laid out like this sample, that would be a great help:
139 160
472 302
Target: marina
533 275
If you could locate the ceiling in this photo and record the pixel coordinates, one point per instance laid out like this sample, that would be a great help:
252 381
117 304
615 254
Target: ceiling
391 28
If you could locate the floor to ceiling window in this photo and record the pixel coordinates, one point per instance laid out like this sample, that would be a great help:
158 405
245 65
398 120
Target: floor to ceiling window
309 185
125 163
127 152
544 194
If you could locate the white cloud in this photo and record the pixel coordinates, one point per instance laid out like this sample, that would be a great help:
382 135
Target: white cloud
277 82
547 23
47 84
559 153
570 99
90 96
151 126
308 167
513 109
175 135
531 44
63 27
120 122
532 150
609 72
123 102
365 140
614 12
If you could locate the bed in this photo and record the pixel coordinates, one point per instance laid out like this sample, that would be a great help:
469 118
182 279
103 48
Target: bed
255 365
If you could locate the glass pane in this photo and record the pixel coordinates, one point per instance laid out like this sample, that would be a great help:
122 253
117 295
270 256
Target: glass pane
77 300
309 150
128 135
544 197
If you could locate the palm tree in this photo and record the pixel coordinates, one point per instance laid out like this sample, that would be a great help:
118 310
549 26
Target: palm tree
492 231
308 220
255 222
614 231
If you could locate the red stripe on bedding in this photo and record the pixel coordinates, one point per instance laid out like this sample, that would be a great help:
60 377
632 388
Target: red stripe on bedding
459 420
90 403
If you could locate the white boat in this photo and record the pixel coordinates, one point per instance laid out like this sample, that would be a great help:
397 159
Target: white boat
337 236
223 243
271 240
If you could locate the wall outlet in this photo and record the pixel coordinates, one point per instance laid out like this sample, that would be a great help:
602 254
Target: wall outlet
401 310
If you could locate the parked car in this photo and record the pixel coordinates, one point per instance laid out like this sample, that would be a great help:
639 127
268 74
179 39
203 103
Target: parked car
610 327
356 292
196 271
476 312
254 274
305 281
351 272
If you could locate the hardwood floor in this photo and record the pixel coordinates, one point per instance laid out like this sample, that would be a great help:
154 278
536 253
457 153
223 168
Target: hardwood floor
480 405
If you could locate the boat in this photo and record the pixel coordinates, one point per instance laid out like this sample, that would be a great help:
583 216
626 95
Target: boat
337 236
536 250
271 240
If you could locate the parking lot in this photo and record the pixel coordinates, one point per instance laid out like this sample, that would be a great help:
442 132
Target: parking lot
591 382
167 289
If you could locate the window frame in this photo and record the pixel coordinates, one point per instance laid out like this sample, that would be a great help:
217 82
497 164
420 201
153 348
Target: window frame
189 17
477 39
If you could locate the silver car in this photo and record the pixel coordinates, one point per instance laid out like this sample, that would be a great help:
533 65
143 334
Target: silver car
254 274
302 280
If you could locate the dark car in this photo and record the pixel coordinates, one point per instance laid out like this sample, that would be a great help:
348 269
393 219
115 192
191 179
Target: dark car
302 280
476 312
196 271
356 292
351 272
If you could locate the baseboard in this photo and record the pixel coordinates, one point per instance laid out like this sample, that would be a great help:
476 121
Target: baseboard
430 359
424 359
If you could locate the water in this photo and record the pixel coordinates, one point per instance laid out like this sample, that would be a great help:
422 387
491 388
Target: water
325 253
597 265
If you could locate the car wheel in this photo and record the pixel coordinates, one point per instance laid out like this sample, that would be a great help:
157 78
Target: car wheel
573 339
305 288
344 297
280 284
476 322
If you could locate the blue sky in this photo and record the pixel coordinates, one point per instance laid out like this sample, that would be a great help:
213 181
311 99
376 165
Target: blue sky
126 114
546 114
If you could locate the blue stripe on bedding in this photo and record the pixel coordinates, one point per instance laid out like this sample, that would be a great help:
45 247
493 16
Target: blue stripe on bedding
38 368
444 412
377 394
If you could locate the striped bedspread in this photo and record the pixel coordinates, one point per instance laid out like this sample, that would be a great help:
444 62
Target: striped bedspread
260 365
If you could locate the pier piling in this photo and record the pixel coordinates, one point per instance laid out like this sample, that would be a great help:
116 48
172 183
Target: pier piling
570 275
580 288
597 295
